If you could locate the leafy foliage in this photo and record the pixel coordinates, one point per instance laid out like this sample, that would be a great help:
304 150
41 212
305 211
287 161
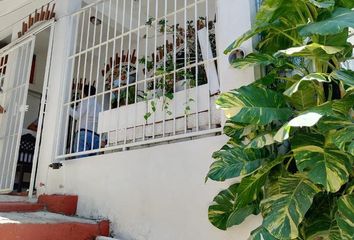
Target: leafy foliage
291 148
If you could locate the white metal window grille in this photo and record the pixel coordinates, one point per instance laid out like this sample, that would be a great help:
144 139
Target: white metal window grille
151 70
15 65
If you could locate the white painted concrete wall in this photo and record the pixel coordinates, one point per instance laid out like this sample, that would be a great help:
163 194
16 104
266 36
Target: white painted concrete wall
154 193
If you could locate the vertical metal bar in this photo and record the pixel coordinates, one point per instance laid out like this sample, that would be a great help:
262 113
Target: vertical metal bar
128 71
185 61
137 73
175 66
71 71
97 74
164 76
84 74
120 69
98 65
155 66
196 67
76 87
208 59
91 75
146 65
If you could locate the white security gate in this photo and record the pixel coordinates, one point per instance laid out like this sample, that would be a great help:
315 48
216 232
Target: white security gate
14 81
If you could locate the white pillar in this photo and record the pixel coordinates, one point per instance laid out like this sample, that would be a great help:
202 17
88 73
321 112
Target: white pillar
48 180
234 19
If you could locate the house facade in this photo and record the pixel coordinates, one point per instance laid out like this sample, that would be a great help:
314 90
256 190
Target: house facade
122 96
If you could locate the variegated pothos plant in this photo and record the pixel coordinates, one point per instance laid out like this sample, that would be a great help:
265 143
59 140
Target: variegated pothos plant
291 132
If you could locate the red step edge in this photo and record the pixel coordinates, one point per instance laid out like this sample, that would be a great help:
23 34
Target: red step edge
62 204
60 231
20 207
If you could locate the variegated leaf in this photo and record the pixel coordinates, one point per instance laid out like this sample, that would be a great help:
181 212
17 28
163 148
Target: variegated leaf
311 50
261 234
325 166
250 186
322 3
254 59
262 140
320 222
341 18
347 76
223 212
254 105
284 212
233 129
305 97
336 109
345 216
344 139
327 124
235 162
311 77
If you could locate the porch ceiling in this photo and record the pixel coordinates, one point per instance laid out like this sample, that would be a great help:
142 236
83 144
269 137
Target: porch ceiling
12 11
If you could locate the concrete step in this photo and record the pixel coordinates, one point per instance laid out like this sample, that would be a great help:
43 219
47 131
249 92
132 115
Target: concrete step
49 226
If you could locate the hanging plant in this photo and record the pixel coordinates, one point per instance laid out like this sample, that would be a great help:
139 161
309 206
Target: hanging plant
291 132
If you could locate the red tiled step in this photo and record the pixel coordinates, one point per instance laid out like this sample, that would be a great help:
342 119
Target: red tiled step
20 207
63 204
49 226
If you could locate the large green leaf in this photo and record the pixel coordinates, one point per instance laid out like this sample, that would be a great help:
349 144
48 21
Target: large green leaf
233 129
305 97
341 18
262 140
313 50
261 234
327 124
223 212
311 77
254 59
267 20
346 3
322 3
320 222
335 109
307 119
250 186
284 212
344 139
325 166
246 36
347 76
254 105
345 216
235 162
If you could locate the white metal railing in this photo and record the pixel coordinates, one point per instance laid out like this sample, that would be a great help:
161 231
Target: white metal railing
139 72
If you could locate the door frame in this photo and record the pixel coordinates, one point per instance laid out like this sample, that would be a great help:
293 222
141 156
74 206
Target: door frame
47 25
50 24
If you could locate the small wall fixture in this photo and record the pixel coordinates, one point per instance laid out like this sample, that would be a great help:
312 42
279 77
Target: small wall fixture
236 54
56 165
95 21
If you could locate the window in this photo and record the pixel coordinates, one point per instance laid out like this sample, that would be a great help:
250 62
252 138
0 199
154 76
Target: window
140 72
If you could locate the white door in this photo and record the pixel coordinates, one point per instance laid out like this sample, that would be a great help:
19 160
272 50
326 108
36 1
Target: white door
14 81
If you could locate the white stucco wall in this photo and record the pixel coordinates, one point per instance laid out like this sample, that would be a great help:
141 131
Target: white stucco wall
153 193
